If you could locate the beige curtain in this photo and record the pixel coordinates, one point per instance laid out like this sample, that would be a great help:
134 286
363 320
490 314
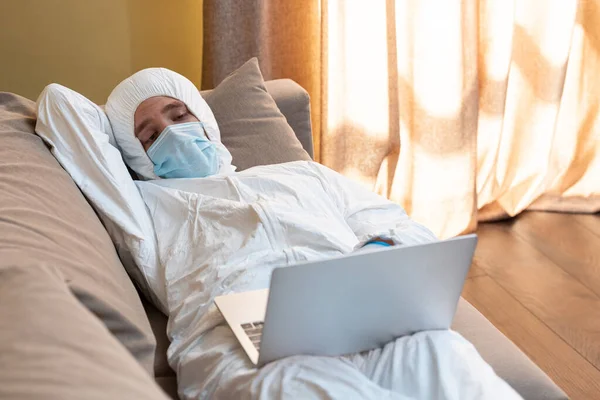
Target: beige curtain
458 110
284 35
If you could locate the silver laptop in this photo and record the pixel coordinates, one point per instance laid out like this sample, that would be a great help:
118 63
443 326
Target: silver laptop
352 303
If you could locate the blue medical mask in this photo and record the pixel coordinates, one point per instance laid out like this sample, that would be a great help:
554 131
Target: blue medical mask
183 151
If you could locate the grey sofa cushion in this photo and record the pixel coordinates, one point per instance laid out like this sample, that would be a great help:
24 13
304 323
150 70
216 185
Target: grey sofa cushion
47 222
158 322
510 363
252 127
163 373
52 347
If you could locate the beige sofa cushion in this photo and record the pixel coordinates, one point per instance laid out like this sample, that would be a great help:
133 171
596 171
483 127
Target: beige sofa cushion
46 222
52 347
252 127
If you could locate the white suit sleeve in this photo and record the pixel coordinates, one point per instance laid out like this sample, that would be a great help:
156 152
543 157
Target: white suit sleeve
370 215
79 135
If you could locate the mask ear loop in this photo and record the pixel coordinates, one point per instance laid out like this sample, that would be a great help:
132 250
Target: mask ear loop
206 134
157 142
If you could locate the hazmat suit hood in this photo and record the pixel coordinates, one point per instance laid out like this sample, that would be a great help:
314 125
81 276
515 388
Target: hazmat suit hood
151 82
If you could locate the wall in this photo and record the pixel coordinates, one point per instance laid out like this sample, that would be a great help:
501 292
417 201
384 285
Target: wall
90 46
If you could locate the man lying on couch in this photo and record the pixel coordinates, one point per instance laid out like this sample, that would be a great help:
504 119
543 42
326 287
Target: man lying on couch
221 231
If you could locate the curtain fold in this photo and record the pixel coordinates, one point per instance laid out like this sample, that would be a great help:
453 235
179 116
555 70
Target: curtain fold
460 110
284 35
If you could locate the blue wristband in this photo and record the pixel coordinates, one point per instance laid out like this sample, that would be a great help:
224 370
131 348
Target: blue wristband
378 243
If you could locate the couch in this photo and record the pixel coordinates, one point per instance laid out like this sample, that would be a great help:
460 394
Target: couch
72 324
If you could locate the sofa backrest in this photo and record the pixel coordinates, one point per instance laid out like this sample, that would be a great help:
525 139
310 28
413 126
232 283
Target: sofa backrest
46 223
53 348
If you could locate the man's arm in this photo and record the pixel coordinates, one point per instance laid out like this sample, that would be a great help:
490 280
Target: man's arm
372 217
78 134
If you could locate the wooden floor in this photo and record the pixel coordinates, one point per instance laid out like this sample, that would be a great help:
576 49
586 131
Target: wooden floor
537 279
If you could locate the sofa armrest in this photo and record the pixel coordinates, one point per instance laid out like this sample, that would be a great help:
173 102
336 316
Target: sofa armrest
294 103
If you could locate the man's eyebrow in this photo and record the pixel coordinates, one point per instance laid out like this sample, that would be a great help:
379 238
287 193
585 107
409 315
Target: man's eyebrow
171 106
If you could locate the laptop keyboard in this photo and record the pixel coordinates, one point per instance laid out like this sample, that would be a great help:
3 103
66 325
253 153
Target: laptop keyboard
254 332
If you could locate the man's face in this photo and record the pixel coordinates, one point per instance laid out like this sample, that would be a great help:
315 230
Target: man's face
155 114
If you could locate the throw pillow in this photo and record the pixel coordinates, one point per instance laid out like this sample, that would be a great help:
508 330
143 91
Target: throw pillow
252 127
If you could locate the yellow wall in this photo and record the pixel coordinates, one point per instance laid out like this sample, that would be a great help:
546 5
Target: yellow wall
91 45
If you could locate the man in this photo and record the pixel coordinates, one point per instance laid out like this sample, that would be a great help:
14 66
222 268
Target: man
220 231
